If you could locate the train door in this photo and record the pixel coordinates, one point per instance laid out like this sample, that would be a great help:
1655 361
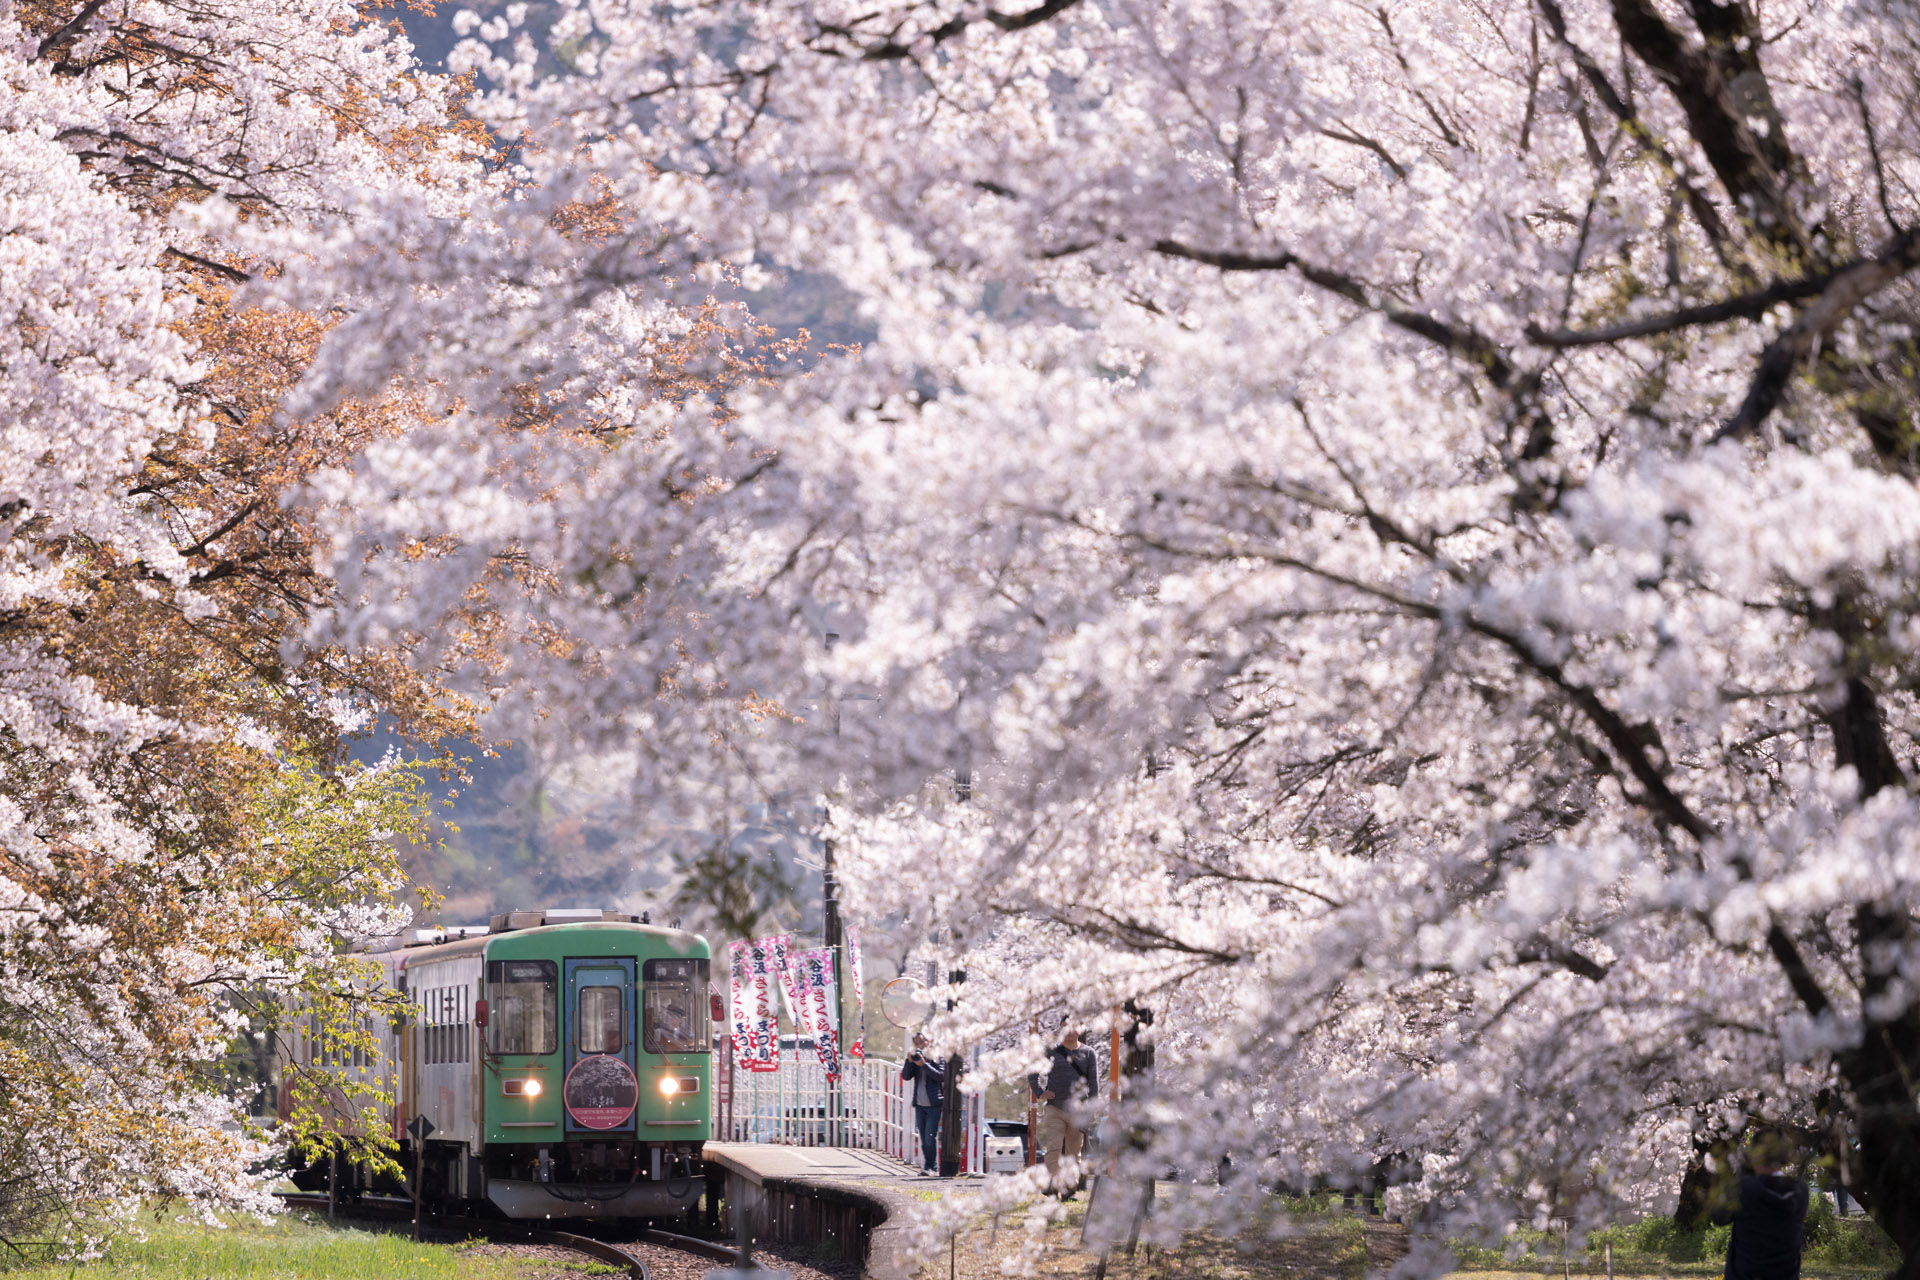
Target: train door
599 1088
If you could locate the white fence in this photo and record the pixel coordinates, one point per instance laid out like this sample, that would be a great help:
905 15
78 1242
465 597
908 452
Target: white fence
869 1107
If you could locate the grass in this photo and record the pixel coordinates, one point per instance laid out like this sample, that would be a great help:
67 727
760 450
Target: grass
295 1247
1836 1247
1329 1242
1323 1245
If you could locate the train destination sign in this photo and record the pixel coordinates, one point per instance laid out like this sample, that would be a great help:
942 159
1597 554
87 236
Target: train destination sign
600 1092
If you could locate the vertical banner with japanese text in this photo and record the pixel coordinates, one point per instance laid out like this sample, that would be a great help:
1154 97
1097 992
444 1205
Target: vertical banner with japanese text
738 1019
756 1026
857 976
783 965
818 996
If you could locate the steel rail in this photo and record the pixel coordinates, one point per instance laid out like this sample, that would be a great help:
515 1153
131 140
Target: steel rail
712 1250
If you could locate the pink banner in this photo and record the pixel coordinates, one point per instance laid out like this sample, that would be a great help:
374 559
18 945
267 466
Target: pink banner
856 975
756 1025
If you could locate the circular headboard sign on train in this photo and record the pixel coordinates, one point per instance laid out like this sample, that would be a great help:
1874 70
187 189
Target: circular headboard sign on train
600 1092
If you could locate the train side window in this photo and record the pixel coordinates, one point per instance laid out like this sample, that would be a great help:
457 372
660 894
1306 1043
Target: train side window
523 1006
600 1025
674 1006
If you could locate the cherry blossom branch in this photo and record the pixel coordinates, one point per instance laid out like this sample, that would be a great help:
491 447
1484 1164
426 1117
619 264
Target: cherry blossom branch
1461 340
1596 77
1628 742
893 49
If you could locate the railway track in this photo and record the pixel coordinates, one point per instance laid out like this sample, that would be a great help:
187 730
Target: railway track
397 1211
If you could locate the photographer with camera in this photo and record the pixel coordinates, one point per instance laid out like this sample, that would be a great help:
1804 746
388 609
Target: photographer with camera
929 1098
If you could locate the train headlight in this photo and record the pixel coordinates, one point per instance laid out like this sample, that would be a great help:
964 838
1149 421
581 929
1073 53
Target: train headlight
669 1086
520 1088
533 1088
674 1086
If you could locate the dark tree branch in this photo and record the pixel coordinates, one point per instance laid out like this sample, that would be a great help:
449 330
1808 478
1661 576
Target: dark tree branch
227 526
893 50
1346 135
1565 957
1433 112
1032 17
1847 290
1873 151
1747 306
1533 86
70 28
208 264
1461 340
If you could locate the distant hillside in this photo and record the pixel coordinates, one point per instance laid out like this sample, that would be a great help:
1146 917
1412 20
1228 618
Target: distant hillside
519 835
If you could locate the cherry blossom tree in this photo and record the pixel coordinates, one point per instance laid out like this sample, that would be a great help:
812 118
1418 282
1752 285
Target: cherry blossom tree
1404 516
180 831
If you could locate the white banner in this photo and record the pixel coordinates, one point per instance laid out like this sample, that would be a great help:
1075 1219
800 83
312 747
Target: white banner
756 1026
818 997
856 975
783 965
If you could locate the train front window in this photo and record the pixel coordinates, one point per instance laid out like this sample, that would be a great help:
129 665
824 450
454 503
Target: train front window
601 1023
674 999
523 1006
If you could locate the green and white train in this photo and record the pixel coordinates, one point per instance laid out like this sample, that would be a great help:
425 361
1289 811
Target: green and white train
560 1061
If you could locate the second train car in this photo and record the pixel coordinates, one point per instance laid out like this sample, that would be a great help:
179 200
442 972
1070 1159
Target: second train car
561 1062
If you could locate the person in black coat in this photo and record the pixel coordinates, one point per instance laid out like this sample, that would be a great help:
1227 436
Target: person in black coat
1073 1077
1768 1211
929 1080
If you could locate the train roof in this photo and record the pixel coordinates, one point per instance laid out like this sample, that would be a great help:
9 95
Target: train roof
448 941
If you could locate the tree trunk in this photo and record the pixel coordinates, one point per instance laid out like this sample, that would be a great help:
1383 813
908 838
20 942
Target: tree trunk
1882 1073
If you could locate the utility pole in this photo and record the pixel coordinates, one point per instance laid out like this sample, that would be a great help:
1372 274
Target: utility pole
831 933
1139 1070
834 940
953 1113
830 907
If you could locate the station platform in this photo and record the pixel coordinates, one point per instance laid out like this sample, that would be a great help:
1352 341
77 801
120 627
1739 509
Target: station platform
842 1200
761 1160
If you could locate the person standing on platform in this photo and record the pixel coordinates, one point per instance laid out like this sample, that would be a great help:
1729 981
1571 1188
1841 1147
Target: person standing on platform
929 1081
1072 1077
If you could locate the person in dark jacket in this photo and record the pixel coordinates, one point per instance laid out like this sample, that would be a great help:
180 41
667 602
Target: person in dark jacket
929 1080
1768 1211
1072 1076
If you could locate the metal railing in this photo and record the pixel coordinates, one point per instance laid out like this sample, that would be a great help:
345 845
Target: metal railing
870 1107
